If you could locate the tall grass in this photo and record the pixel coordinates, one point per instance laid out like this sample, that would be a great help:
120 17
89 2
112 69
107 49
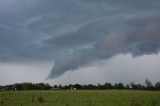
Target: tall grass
80 98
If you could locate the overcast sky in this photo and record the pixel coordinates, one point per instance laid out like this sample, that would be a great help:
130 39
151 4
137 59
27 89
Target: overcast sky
79 41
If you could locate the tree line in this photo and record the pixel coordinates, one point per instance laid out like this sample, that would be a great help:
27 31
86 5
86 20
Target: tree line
147 86
45 86
27 86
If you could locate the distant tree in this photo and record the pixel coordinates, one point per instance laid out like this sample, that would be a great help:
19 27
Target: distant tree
66 87
90 86
78 86
99 86
119 86
26 86
43 86
127 86
157 85
133 85
55 86
18 86
148 84
139 86
108 86
60 86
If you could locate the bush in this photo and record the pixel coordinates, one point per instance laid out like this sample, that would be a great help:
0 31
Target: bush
40 99
2 102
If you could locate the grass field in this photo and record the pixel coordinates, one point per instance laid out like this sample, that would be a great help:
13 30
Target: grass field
80 98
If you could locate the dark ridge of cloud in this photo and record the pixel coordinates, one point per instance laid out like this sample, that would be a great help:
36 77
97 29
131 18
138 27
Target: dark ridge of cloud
127 39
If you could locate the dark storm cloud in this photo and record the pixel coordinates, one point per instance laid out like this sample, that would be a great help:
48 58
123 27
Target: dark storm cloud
136 35
77 32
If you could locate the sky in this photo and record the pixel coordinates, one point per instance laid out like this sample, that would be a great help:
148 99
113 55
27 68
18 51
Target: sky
79 41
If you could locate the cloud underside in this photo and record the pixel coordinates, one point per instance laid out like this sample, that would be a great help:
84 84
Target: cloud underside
75 33
138 39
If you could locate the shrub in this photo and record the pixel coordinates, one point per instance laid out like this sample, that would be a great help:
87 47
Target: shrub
40 99
2 102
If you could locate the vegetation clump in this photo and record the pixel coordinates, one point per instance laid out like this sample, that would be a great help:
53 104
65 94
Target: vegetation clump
40 99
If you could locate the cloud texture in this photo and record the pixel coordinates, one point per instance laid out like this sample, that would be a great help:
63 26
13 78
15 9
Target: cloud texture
75 33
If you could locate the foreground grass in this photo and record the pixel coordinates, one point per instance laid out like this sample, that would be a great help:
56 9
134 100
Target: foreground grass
80 98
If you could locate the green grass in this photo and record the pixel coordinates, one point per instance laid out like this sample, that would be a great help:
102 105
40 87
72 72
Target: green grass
80 98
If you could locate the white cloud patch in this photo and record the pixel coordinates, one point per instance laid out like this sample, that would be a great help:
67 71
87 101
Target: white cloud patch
120 68
29 72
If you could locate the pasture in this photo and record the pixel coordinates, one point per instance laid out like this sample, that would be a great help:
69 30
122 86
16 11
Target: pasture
80 98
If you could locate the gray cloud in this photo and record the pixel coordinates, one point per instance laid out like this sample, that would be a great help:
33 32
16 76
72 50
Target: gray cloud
128 39
137 35
76 32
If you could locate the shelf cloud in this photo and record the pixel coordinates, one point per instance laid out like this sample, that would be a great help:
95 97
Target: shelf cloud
75 33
